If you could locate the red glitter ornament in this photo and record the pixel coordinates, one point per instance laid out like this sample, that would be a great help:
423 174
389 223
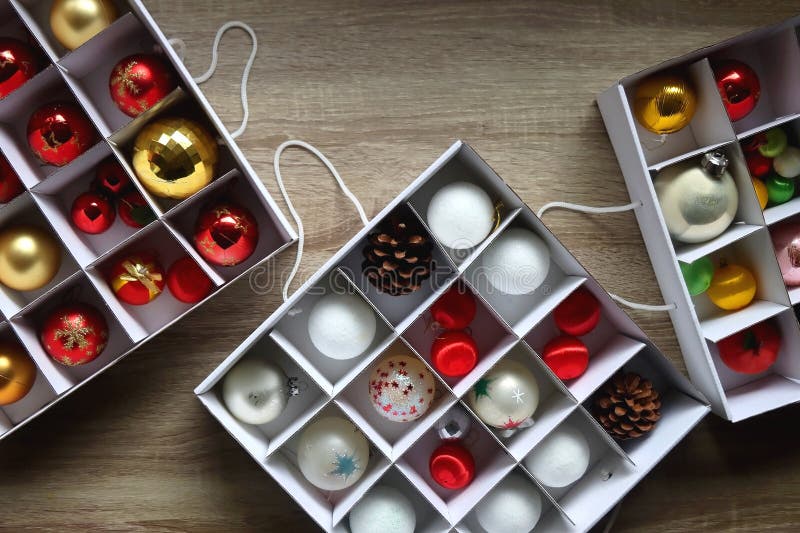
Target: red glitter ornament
454 353
739 88
134 211
19 62
10 184
111 178
452 466
226 234
74 334
187 282
566 356
139 82
758 165
137 279
578 314
753 350
455 309
92 213
60 132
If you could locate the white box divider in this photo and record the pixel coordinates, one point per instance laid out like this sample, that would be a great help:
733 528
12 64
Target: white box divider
501 328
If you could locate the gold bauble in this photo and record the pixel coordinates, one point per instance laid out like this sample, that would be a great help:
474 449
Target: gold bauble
29 257
76 21
175 157
17 372
664 103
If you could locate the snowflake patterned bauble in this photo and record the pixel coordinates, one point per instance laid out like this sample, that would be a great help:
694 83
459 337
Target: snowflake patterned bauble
74 334
506 396
226 233
401 388
332 453
139 82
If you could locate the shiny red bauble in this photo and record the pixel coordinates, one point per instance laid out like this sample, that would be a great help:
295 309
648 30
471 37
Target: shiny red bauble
10 184
187 282
455 309
578 314
139 82
19 62
137 279
111 178
566 356
452 466
752 350
134 211
739 88
92 213
60 132
758 164
226 234
74 334
454 353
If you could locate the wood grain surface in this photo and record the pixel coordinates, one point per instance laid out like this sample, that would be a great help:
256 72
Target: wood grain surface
383 87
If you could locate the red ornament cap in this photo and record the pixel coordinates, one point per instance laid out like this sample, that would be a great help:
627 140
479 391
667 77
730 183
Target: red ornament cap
134 211
454 353
59 132
137 279
758 164
140 81
566 356
187 282
92 213
226 234
111 178
19 62
455 309
578 314
752 350
452 466
739 88
10 184
74 334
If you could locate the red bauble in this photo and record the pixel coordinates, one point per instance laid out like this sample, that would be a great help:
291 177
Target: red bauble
74 334
137 279
452 466
454 353
578 314
10 184
139 82
92 213
566 356
226 234
758 165
739 88
110 178
19 62
754 143
60 132
134 211
187 282
752 350
455 309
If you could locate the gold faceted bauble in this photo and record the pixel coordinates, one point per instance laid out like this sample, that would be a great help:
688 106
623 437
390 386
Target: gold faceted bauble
76 21
664 103
29 257
175 157
17 372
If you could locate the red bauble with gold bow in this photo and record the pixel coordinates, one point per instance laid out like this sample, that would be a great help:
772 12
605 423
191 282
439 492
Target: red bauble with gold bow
74 334
19 62
137 279
110 178
139 82
10 184
92 213
226 234
60 132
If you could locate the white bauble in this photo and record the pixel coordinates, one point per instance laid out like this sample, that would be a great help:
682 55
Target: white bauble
506 396
401 388
517 262
383 510
332 453
788 163
561 458
513 506
342 326
255 391
461 215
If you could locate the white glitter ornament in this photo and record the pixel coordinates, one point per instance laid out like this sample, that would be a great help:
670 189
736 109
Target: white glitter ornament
332 453
517 262
255 391
561 458
787 164
461 215
513 506
342 326
506 396
383 510
401 388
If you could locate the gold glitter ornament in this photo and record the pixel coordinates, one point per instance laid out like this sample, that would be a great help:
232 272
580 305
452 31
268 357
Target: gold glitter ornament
76 21
664 103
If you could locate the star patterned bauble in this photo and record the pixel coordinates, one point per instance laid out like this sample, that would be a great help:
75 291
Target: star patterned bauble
74 334
401 388
59 132
332 453
226 234
506 396
140 81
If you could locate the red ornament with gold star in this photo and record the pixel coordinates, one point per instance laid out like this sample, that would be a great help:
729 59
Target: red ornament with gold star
226 234
401 388
74 334
59 132
187 282
506 396
139 82
110 178
137 279
10 184
134 210
19 62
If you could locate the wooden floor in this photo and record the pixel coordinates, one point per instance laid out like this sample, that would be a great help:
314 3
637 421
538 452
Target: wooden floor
383 88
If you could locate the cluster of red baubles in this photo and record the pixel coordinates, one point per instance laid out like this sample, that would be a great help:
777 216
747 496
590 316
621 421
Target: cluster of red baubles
139 278
454 352
567 355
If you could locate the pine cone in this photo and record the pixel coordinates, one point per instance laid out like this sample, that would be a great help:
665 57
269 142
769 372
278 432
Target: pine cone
398 255
627 406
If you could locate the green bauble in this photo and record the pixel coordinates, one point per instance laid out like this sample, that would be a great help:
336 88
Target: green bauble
697 275
779 189
776 143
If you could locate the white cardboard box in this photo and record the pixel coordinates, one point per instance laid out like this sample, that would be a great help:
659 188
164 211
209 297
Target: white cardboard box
510 326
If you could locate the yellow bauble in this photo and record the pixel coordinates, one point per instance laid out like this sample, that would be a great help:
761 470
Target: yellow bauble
761 192
76 21
17 372
664 103
732 287
175 157
29 257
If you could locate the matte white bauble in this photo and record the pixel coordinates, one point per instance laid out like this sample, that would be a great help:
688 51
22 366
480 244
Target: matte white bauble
513 506
517 262
383 510
461 215
255 391
332 453
506 396
787 164
561 458
342 326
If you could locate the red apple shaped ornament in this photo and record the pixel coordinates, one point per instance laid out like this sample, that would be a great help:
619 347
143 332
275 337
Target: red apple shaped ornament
226 234
752 350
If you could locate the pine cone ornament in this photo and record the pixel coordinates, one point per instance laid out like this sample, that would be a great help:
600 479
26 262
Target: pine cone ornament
398 255
627 406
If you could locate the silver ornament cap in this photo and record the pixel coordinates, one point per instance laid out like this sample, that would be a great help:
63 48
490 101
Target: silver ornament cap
454 425
715 163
